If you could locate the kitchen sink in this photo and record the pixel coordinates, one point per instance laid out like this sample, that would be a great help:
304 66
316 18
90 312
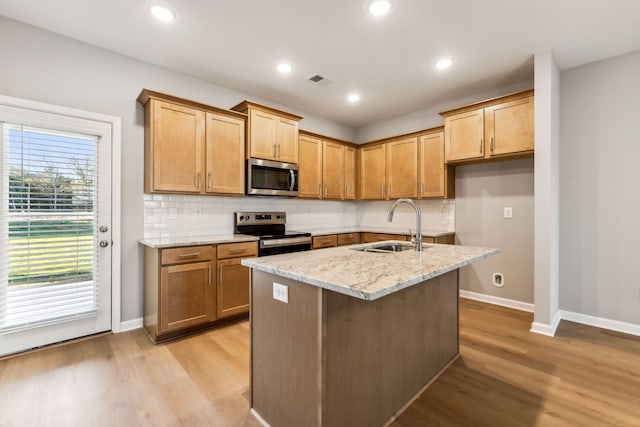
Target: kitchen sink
386 248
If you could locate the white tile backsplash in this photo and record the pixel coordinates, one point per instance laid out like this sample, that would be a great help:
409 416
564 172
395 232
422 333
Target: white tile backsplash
177 215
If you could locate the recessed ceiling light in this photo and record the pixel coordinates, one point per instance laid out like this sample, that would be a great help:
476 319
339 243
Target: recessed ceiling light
353 98
163 13
444 63
284 67
379 7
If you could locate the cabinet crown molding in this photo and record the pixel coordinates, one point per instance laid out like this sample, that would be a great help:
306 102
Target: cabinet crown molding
244 106
488 102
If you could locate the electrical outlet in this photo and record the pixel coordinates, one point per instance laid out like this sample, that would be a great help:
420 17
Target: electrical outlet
280 292
508 212
498 280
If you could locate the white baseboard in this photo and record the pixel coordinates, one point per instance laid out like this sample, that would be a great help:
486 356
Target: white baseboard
600 322
544 329
258 418
129 325
518 305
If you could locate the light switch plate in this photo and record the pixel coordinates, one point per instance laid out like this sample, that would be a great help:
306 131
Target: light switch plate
280 292
508 212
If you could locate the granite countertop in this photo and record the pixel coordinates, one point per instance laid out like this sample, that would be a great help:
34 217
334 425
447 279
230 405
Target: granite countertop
357 229
214 239
368 275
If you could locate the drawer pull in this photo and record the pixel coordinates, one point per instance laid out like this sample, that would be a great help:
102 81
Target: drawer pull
189 255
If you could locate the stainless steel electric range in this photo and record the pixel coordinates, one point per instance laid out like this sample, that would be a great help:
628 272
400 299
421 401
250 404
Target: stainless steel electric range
270 227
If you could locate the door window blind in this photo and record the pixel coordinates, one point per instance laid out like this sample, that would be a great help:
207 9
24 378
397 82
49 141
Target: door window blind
47 225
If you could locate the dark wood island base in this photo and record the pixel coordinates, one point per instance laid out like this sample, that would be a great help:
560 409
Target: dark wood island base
328 359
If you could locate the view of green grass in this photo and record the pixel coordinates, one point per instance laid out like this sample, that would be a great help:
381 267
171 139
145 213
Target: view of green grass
43 260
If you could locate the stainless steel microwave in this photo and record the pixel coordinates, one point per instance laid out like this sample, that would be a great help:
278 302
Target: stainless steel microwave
269 178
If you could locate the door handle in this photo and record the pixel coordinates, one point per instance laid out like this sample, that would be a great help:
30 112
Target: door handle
293 179
209 275
220 278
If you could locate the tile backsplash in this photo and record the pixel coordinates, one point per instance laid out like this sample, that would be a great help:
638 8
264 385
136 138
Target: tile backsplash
178 215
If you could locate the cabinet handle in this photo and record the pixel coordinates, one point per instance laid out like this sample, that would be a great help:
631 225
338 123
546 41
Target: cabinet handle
198 180
275 151
319 190
236 251
220 281
491 145
481 146
389 191
382 190
325 189
422 188
188 255
209 181
278 151
209 275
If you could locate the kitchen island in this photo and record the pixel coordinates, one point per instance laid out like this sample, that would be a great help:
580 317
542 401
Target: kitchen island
346 337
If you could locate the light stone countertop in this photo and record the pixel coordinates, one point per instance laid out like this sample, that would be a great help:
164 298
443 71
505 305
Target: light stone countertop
358 229
368 275
214 239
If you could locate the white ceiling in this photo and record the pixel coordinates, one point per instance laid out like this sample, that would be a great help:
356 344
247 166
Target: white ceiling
388 60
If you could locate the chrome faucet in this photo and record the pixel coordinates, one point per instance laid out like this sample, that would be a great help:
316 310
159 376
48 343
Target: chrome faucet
417 239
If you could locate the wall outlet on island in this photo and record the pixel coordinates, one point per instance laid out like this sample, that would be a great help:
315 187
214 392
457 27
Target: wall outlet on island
280 292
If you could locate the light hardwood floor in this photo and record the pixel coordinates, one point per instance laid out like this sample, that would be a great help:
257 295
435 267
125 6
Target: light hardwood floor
506 376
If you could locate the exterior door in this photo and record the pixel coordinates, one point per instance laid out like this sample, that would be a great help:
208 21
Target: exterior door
55 228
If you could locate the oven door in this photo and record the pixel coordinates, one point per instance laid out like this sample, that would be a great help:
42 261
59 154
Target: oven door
269 178
284 246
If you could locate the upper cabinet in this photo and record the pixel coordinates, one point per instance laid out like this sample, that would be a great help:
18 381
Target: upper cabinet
389 170
501 127
409 166
326 168
191 148
436 179
271 134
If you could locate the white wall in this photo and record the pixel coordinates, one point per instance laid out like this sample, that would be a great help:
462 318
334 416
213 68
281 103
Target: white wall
43 66
483 190
599 197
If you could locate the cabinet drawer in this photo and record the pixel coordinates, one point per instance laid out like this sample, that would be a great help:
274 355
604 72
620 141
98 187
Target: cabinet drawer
188 254
348 239
237 250
325 241
449 239
379 237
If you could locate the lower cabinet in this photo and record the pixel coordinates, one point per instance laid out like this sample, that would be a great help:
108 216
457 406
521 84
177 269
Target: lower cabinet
193 287
327 241
345 239
449 239
187 296
234 278
380 237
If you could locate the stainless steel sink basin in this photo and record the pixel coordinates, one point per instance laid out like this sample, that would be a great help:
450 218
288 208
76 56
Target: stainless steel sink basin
386 248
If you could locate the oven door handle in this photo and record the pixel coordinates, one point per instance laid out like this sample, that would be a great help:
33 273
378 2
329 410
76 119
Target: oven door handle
293 179
272 243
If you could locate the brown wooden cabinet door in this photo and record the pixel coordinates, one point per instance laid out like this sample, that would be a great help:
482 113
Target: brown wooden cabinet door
310 167
187 296
464 135
177 139
333 170
373 173
224 154
262 134
328 241
348 239
233 288
432 167
380 237
286 140
509 127
402 168
349 173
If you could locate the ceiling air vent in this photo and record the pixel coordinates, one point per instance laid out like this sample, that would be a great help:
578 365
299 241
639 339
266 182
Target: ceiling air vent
319 80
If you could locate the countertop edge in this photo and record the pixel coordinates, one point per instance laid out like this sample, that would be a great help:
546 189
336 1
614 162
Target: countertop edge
170 242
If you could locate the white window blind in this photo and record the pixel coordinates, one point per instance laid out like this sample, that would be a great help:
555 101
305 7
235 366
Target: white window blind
47 226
